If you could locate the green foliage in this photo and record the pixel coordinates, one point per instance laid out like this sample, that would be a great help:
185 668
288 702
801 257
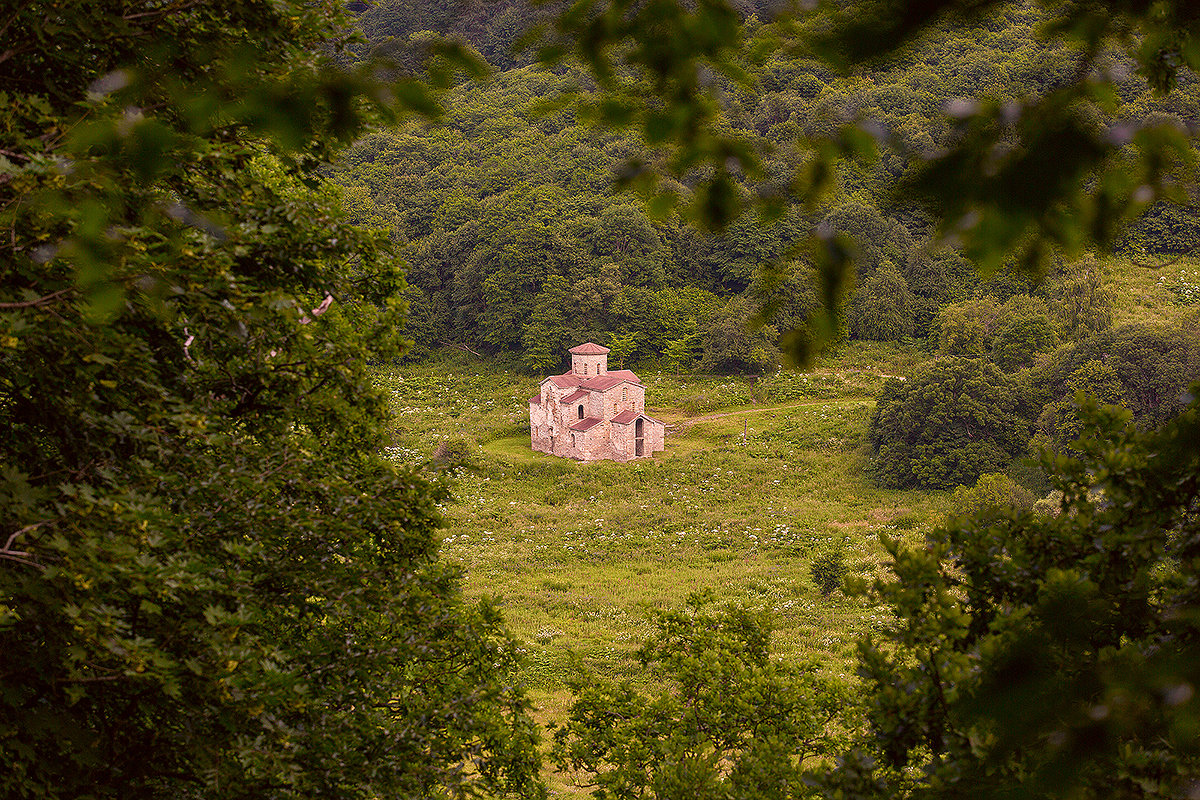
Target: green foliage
883 309
967 328
1048 655
732 346
1009 123
788 385
1080 301
620 347
1023 330
1009 333
1059 425
828 570
732 721
213 584
679 353
531 157
1153 363
990 491
878 241
954 420
549 332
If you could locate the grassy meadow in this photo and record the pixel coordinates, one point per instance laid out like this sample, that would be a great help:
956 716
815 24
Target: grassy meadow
758 478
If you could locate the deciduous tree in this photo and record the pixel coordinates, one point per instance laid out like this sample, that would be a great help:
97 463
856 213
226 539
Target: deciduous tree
213 584
1041 655
730 722
952 421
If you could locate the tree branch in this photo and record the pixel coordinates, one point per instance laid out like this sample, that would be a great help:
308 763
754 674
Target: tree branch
40 301
162 12
462 347
21 556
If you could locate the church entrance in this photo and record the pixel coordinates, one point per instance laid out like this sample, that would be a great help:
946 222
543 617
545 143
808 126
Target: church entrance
638 437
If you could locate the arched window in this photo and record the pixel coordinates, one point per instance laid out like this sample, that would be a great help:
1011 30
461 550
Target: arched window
624 393
581 410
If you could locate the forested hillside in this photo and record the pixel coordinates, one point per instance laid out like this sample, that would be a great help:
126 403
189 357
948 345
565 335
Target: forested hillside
518 243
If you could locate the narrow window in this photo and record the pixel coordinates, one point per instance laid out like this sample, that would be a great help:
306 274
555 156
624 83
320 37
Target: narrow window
624 393
581 410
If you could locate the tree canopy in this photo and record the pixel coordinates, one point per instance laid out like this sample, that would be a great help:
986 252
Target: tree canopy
212 584
732 721
954 420
768 127
1048 655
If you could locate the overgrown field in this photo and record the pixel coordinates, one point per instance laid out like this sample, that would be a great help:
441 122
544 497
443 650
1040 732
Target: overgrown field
760 477
757 480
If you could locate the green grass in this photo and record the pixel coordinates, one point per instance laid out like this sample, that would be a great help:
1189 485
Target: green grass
759 478
1152 290
580 556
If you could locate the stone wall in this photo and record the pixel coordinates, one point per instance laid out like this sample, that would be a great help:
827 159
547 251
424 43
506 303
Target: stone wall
589 366
550 420
612 404
655 438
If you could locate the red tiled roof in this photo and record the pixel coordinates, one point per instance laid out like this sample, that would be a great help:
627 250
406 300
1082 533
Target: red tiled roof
566 380
588 349
608 380
586 424
626 417
599 383
623 374
537 398
578 394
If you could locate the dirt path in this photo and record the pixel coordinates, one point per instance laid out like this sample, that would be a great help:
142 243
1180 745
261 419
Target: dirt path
690 421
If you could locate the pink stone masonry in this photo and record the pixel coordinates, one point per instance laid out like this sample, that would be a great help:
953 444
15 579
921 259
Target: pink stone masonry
591 413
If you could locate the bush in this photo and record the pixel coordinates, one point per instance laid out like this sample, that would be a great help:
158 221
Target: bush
453 455
956 419
991 490
724 719
828 570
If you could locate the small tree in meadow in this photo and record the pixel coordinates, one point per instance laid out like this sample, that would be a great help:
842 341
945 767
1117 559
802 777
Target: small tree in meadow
828 570
732 721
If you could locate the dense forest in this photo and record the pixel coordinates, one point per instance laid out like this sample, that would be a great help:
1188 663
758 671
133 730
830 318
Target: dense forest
519 243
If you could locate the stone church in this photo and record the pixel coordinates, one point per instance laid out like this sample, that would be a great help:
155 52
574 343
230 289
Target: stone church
591 413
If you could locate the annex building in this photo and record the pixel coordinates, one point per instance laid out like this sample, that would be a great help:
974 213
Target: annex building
591 413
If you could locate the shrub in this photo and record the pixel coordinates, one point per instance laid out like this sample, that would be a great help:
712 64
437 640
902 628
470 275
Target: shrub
828 570
956 419
991 490
452 455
